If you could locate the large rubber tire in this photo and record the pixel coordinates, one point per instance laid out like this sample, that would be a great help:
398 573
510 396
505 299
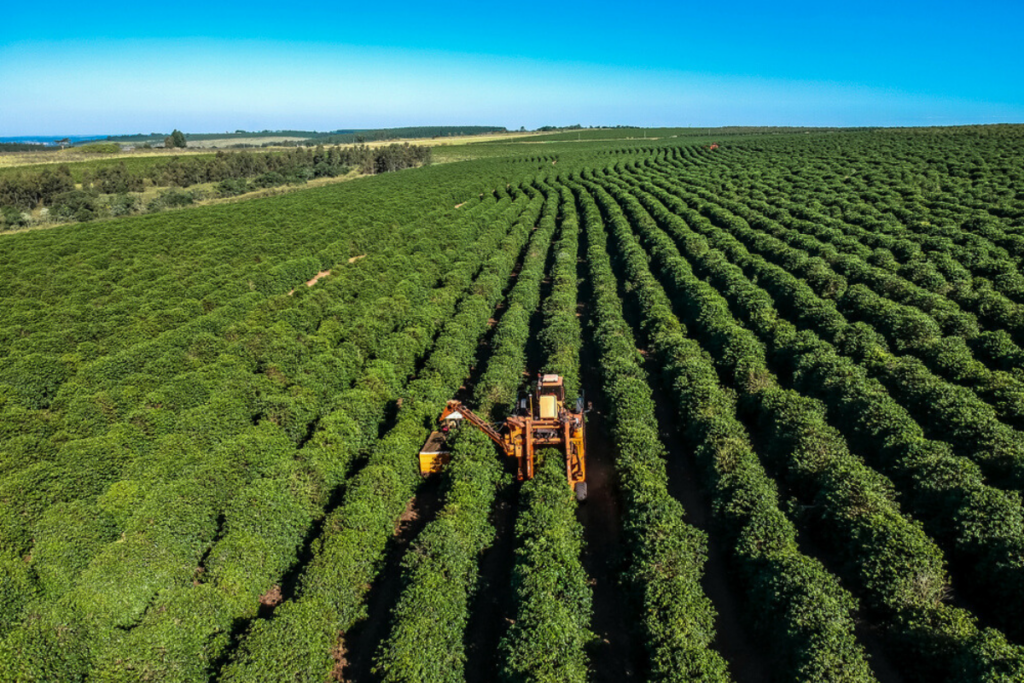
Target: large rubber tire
581 491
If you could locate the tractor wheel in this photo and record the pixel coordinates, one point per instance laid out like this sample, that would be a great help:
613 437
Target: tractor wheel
581 491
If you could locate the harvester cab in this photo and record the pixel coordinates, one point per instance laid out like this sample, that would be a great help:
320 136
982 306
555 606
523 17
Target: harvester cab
541 419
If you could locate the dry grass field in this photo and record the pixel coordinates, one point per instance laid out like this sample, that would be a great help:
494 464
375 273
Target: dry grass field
70 156
219 143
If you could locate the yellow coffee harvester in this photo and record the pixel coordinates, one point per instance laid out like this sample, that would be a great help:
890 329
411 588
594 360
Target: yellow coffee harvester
542 419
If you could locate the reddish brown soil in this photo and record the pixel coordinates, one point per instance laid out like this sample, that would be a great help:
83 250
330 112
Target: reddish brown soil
319 276
408 515
272 598
340 656
324 273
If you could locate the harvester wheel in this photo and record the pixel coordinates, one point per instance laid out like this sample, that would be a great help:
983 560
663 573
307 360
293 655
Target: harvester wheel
581 491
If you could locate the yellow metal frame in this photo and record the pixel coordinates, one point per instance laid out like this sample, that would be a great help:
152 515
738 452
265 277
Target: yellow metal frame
520 436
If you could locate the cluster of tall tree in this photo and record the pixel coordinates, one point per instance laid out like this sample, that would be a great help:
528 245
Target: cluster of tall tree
299 164
28 190
175 139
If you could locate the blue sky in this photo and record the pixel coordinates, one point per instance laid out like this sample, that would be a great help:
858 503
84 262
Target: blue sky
107 67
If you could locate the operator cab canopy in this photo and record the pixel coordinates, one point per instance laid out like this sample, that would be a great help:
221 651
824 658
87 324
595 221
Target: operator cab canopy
551 384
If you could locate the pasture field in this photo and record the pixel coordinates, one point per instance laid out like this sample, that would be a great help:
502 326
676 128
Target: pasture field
140 159
253 141
805 458
14 162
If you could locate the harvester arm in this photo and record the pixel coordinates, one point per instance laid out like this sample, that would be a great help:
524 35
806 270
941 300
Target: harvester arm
474 419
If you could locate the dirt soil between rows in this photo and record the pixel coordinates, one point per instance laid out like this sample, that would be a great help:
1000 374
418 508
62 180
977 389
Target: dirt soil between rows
748 661
354 653
493 606
618 653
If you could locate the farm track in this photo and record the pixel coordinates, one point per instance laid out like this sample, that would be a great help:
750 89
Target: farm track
618 653
808 377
